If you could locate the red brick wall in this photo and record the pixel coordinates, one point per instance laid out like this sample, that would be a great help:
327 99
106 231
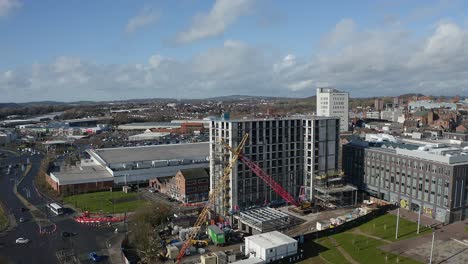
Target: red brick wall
51 182
85 187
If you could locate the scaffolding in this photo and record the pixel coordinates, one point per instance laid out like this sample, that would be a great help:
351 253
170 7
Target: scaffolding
331 190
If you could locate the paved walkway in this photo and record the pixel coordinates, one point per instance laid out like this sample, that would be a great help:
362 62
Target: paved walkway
343 252
413 217
114 250
359 232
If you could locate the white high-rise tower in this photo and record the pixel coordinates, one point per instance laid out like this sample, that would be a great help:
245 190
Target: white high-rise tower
333 103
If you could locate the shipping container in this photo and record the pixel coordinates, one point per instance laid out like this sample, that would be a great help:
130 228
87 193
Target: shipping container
216 235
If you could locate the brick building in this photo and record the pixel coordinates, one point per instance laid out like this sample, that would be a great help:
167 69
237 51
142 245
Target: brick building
188 186
80 179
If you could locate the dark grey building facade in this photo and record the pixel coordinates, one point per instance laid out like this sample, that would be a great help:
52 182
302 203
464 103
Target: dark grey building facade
433 179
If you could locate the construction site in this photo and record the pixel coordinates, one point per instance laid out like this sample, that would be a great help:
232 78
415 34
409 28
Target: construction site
220 232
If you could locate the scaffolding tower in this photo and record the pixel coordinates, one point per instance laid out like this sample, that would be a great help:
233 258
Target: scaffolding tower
331 190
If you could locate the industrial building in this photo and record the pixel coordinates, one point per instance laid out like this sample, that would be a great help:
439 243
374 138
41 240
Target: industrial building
179 127
427 177
292 150
333 103
130 165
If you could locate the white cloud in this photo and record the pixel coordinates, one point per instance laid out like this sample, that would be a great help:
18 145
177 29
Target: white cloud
7 6
368 63
342 31
146 17
216 21
301 85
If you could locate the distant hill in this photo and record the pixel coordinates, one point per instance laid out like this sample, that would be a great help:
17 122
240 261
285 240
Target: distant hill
243 98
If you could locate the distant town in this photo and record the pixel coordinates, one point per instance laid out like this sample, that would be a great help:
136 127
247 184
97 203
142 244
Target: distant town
236 179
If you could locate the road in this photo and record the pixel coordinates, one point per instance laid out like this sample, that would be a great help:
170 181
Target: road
42 248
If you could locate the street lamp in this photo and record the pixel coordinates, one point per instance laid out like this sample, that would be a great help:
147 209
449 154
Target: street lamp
398 220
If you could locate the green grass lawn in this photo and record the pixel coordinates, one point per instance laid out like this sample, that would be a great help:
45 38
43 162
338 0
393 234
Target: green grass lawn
95 202
3 219
332 255
384 227
466 229
363 249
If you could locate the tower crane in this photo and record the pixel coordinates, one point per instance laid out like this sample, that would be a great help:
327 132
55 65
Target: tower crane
212 197
301 204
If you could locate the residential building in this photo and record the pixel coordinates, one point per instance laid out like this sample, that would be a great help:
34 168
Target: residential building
333 103
291 150
428 104
398 102
379 104
427 176
372 114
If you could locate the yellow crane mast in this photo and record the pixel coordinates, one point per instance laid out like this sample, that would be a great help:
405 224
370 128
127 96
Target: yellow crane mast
211 199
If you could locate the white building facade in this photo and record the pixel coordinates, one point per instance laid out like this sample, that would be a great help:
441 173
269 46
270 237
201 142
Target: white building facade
333 103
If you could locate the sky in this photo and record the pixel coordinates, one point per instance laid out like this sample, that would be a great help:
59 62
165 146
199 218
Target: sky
114 49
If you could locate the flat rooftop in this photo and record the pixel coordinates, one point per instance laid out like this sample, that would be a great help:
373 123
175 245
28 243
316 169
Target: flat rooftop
435 150
271 239
305 117
81 174
150 153
151 124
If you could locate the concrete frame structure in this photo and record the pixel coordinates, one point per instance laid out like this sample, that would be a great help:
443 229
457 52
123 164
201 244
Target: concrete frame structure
333 103
433 178
265 219
291 150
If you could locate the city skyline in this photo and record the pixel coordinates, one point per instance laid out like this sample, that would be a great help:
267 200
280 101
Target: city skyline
189 49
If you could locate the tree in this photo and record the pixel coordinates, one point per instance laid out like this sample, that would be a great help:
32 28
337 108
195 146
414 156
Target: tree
144 228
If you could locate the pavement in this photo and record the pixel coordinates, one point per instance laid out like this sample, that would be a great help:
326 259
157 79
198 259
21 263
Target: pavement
450 244
42 248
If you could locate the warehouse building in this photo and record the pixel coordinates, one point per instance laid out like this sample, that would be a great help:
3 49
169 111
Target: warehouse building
291 150
130 165
429 176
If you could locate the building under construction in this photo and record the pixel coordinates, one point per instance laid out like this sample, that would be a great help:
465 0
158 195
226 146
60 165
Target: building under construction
290 150
332 191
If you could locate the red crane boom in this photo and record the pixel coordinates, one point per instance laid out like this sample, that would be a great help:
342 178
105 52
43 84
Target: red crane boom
269 180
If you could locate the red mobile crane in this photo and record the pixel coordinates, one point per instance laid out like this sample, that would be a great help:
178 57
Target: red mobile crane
302 205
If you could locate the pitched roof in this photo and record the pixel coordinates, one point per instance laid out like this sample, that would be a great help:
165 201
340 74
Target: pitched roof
196 173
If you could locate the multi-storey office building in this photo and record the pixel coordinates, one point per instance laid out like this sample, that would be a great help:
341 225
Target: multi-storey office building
291 150
431 178
333 103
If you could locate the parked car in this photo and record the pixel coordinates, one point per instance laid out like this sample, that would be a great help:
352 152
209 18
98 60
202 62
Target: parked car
22 240
22 220
93 256
151 190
